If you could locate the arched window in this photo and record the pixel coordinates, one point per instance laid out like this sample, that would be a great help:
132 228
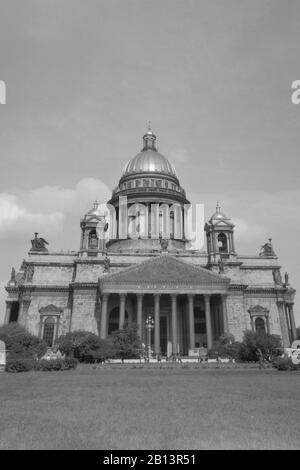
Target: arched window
222 243
260 325
93 239
48 333
145 182
137 183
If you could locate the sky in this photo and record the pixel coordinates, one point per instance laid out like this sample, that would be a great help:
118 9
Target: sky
84 78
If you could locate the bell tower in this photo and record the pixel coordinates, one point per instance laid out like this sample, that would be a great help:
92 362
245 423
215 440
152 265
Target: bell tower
93 228
220 237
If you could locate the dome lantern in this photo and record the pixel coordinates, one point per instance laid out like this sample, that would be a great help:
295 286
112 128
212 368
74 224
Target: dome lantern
149 140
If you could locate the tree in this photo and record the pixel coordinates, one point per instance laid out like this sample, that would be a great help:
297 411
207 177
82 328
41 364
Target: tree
20 343
270 345
127 342
225 347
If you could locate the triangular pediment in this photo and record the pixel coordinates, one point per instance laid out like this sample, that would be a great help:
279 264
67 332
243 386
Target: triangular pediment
163 272
50 309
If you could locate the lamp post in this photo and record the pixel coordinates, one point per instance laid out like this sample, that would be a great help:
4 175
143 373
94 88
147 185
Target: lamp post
149 326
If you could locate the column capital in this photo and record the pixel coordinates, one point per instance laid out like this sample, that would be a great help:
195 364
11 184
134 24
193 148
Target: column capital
157 295
139 295
191 296
173 296
207 297
122 296
105 297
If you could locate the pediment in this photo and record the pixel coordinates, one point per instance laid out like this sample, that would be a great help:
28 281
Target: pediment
162 272
258 310
50 309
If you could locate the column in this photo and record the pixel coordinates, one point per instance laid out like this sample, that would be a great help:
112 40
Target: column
232 242
292 321
122 311
156 324
7 312
191 322
174 323
103 326
225 316
283 324
208 321
139 313
146 234
268 324
287 319
252 324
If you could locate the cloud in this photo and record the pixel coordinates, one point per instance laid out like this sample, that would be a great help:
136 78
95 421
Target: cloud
45 209
78 199
16 220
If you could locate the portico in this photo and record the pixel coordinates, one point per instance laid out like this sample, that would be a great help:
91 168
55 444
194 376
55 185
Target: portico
188 303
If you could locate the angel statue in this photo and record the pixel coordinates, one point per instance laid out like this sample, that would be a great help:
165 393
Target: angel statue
221 266
38 244
267 249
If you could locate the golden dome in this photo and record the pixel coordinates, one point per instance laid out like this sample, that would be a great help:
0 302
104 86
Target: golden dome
218 215
149 160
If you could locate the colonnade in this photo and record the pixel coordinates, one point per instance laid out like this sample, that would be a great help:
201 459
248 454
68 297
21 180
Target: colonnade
174 325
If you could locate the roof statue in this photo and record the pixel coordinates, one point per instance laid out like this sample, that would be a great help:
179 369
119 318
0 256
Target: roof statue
38 244
106 264
29 273
277 277
267 249
13 276
286 279
221 266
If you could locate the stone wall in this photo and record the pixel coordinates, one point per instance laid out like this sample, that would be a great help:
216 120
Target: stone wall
85 312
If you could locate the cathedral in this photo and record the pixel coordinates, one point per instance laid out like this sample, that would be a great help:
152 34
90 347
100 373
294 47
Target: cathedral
135 264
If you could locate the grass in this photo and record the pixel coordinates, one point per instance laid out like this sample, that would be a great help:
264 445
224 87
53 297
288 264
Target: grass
150 408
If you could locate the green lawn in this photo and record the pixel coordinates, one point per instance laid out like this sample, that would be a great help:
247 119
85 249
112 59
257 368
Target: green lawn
147 408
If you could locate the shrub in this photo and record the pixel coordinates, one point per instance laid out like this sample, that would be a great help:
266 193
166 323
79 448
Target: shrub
127 342
20 365
225 347
20 343
85 346
283 363
270 345
56 364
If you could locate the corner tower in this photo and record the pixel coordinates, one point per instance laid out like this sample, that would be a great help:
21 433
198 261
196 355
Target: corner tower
220 236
